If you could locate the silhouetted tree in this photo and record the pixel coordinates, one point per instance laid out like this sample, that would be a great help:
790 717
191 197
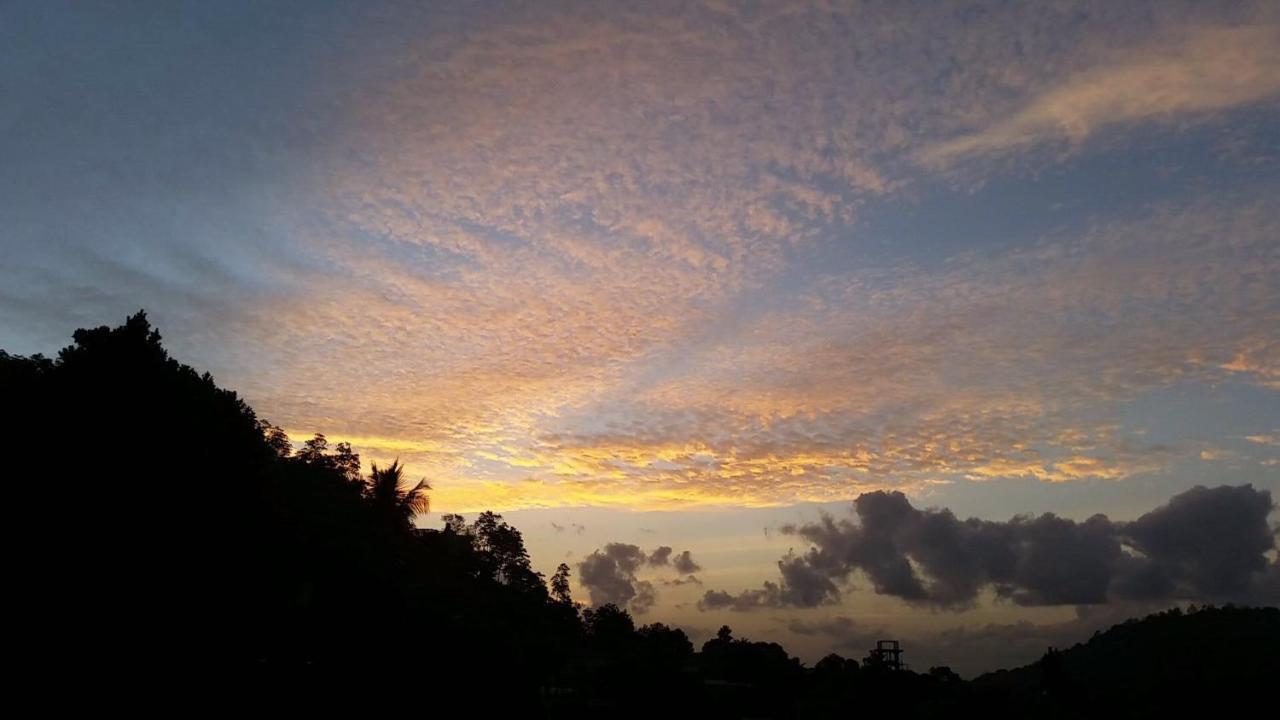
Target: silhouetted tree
836 665
504 546
340 459
277 440
664 645
393 498
609 627
560 585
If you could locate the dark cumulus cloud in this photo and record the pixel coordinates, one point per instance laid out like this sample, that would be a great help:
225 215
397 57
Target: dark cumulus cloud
801 585
609 574
1204 544
689 580
684 564
660 556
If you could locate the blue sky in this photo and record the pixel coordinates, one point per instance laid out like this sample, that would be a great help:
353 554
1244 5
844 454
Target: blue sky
687 273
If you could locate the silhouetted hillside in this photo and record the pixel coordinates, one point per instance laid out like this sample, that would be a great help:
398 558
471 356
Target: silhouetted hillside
167 532
1157 666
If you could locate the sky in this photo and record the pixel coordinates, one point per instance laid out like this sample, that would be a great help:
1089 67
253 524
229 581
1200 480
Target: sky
917 320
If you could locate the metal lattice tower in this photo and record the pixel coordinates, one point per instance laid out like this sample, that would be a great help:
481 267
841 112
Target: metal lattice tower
889 654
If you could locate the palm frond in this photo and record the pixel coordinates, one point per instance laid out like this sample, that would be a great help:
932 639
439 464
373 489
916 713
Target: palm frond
416 500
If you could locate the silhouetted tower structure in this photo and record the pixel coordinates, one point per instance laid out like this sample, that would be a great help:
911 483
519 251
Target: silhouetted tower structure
889 654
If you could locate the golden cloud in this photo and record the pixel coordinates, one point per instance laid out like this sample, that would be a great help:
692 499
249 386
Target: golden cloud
553 255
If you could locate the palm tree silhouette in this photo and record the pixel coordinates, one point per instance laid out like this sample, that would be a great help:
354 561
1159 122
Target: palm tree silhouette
389 494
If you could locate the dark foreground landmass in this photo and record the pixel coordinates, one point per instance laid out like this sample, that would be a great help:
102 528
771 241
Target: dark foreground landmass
169 547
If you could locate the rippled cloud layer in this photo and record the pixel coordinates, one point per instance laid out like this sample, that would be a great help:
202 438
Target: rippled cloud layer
566 254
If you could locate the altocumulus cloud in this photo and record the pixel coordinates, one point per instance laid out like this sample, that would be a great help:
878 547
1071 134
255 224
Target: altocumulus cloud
1190 71
579 237
1204 544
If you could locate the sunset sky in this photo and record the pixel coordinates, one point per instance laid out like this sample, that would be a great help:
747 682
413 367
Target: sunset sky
697 275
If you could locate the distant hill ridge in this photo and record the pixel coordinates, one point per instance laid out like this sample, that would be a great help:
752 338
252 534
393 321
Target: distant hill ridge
1159 665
